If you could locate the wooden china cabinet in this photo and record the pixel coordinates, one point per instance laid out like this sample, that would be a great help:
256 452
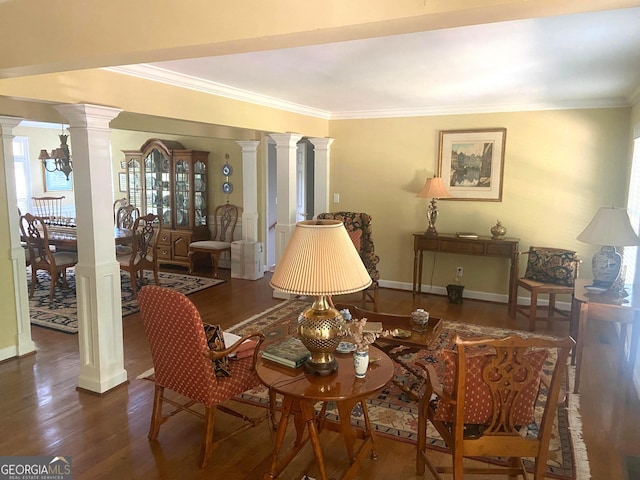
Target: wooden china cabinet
170 181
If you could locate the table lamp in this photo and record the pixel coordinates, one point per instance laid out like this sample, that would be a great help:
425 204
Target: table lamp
610 227
433 189
320 260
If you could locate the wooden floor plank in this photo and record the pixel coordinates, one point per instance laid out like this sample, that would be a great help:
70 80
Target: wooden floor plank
42 413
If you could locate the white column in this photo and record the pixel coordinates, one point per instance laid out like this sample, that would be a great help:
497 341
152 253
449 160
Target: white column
97 272
286 188
321 172
23 343
249 189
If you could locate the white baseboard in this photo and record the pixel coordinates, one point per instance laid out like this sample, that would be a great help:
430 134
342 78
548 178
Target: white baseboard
472 294
8 352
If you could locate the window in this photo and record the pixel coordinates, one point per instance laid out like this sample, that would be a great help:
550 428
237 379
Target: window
22 173
630 257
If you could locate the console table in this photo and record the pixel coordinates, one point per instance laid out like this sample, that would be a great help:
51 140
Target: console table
481 246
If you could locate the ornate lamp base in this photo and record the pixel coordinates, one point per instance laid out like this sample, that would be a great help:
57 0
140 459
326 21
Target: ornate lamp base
321 328
606 266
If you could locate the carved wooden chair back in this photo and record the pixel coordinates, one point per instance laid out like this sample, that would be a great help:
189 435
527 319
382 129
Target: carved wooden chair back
226 219
490 390
143 255
117 205
226 216
35 234
126 216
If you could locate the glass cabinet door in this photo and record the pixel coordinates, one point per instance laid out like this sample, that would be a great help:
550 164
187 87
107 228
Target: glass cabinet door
134 182
183 194
200 194
157 186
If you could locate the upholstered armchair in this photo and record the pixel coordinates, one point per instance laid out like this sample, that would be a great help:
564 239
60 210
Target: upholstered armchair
358 226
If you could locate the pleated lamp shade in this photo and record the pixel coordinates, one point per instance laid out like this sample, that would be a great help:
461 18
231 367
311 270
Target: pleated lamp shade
320 259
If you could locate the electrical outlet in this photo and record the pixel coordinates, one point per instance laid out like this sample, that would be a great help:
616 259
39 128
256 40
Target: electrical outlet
459 271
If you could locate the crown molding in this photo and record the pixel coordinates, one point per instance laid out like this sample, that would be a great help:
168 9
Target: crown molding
157 74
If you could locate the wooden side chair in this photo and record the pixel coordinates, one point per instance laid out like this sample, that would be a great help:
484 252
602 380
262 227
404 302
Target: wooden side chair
491 388
49 208
117 205
552 272
143 254
126 216
182 362
35 234
358 227
226 216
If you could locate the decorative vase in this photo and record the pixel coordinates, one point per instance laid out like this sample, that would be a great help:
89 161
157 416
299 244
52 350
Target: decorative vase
360 363
498 231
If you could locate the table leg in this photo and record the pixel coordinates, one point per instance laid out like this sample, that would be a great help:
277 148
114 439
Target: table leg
513 286
415 272
290 406
582 324
309 415
348 434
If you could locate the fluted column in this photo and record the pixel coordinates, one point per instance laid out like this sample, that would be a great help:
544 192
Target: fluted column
23 343
97 272
249 189
321 172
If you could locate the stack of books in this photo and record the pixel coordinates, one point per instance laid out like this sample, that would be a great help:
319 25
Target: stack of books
289 352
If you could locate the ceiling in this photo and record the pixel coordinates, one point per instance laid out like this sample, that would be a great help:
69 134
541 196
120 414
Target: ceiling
573 61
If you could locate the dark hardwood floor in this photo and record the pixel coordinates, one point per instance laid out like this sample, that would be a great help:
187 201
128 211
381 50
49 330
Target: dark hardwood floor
42 413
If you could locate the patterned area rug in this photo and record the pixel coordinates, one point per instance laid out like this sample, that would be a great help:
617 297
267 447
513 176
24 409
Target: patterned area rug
394 413
61 313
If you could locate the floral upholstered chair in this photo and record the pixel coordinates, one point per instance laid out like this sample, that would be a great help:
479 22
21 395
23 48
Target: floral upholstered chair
358 226
550 271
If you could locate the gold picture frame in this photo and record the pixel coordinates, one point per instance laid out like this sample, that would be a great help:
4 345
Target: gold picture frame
471 163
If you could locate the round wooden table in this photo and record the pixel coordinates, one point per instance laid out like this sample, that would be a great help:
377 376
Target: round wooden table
302 391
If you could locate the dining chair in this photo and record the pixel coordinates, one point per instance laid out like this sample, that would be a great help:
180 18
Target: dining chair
226 216
552 272
492 389
35 234
126 216
50 208
117 205
358 226
183 363
143 254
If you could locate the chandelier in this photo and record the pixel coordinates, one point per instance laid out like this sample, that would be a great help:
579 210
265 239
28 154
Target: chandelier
60 158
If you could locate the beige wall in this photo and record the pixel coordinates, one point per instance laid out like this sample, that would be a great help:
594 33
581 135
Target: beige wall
560 167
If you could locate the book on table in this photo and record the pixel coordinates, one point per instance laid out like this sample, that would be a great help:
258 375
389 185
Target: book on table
289 352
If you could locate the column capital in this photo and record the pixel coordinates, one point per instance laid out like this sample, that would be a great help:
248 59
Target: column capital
321 143
286 139
85 115
248 146
7 124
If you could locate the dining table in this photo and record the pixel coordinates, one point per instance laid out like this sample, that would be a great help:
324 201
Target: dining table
66 237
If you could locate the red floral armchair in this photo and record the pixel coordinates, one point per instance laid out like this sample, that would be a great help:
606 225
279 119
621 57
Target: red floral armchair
358 226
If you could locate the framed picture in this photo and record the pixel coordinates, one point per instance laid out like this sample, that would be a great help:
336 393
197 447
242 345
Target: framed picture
122 181
471 163
56 181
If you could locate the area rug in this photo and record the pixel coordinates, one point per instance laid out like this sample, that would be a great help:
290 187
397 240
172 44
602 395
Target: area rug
61 313
393 412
